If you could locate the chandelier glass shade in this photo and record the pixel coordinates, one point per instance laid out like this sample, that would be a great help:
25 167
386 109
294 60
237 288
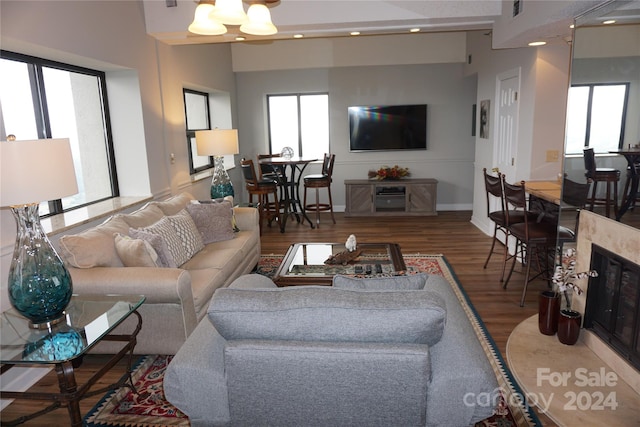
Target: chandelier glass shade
229 12
210 18
259 22
203 25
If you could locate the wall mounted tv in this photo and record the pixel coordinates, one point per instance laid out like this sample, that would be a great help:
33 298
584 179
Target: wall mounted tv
388 127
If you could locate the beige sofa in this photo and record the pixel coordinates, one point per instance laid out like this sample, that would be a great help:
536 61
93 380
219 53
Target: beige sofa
176 297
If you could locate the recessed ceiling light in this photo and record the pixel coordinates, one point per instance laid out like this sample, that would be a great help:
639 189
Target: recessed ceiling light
610 21
355 33
298 36
240 38
414 30
537 44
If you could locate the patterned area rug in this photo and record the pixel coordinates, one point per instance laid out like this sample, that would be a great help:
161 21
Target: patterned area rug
149 408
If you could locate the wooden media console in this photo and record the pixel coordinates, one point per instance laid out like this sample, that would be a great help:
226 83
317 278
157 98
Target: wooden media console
414 197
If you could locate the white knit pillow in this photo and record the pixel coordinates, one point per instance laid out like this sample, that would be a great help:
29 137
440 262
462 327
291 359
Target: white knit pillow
164 229
187 231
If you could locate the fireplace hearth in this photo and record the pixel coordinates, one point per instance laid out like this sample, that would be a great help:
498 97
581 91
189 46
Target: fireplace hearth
613 303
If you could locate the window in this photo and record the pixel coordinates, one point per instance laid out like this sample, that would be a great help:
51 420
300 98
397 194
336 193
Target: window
196 111
43 99
299 121
596 117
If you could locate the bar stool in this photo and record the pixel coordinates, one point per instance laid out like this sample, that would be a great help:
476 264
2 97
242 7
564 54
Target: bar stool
500 218
268 170
318 181
608 175
536 241
574 198
261 188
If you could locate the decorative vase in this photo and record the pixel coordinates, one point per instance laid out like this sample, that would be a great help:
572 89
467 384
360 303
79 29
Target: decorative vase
221 185
548 311
287 153
569 326
40 285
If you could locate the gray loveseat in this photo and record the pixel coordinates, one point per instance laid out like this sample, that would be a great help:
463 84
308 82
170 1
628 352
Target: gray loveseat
177 277
325 356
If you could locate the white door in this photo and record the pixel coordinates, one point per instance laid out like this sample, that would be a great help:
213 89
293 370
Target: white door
506 144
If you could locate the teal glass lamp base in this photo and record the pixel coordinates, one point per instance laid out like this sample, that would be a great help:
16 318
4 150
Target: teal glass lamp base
220 191
221 185
63 344
40 285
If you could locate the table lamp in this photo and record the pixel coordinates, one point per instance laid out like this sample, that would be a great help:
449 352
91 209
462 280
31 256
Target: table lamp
217 143
33 171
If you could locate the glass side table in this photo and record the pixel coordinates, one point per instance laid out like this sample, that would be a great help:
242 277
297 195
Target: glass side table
89 320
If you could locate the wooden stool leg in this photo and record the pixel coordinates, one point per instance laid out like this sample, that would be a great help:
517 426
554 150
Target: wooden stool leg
331 204
260 211
626 189
317 207
607 202
615 199
304 203
594 189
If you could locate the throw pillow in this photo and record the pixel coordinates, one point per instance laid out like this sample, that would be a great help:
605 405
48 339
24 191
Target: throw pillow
187 231
94 247
143 217
135 252
174 204
165 259
234 223
322 313
213 220
413 282
164 229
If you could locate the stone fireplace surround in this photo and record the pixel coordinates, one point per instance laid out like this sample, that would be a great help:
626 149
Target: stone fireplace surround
536 360
619 239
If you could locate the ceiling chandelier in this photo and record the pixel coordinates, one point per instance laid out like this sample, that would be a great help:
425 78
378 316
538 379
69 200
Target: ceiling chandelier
211 16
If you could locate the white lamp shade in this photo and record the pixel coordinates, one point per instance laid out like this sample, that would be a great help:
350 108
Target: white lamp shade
203 25
259 23
34 171
217 142
229 12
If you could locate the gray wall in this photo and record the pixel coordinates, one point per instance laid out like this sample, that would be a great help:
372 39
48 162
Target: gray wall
447 91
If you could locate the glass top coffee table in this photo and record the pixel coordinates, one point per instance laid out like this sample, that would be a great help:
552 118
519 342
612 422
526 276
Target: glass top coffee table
88 320
304 263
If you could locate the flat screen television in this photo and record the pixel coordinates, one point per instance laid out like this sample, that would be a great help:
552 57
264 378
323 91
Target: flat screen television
388 127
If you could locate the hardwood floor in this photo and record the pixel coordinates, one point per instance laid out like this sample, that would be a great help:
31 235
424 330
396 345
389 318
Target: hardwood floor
449 233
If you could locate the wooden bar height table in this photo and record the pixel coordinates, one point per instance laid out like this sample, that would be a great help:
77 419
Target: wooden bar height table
292 169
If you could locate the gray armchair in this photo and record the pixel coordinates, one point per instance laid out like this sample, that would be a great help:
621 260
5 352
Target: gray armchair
318 356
